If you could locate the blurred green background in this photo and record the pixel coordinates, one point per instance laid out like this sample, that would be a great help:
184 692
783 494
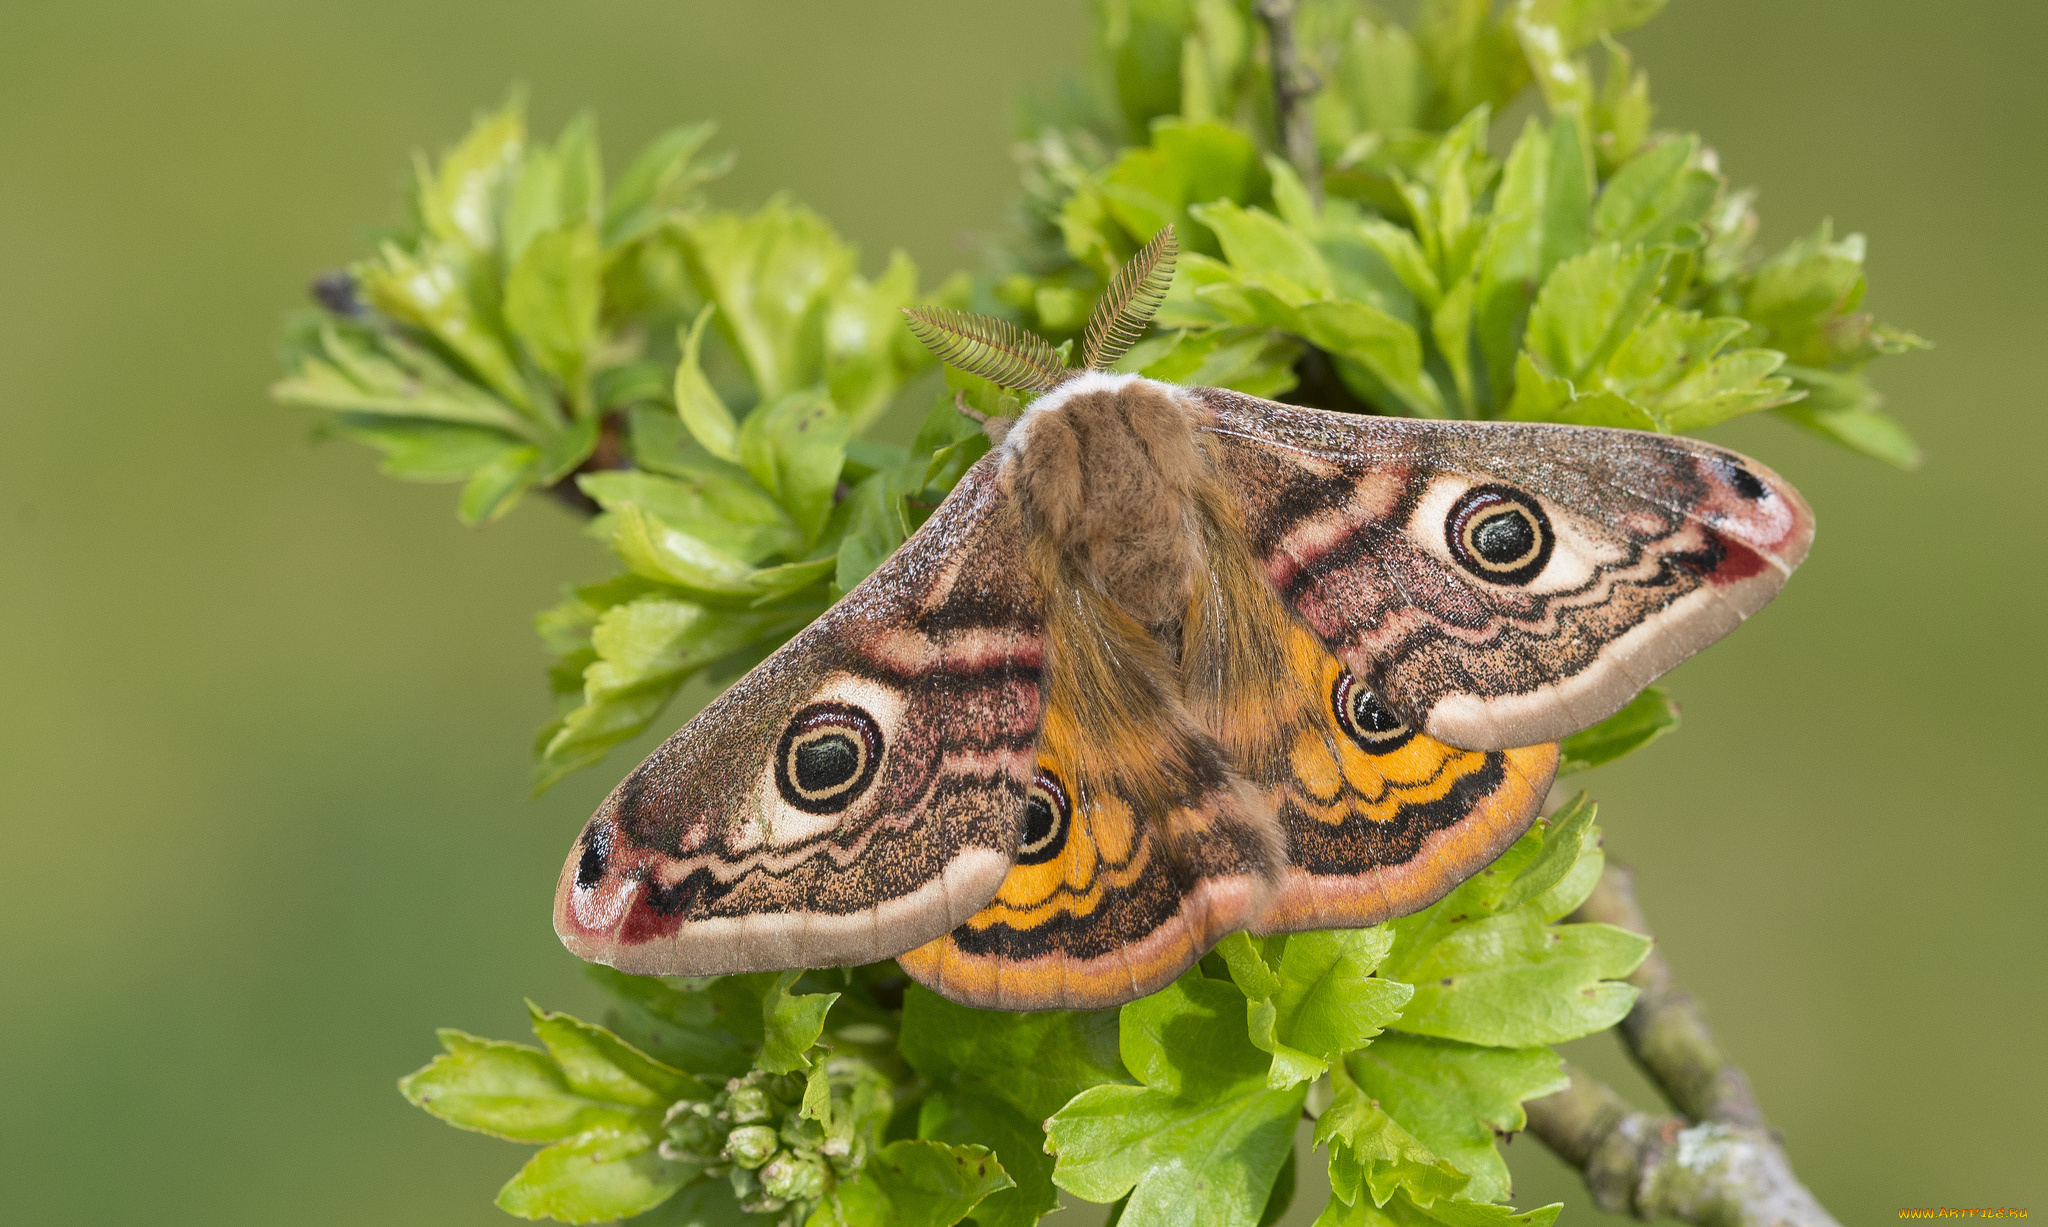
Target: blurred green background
263 754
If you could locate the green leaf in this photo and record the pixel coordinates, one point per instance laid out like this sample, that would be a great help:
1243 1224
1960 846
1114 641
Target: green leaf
600 1065
652 549
1590 305
955 1116
772 276
1186 164
657 182
511 1091
702 411
795 447
1541 216
1267 252
1843 407
1511 980
1564 836
552 299
728 510
427 451
1371 1155
862 323
495 488
1203 1138
790 1023
1403 1211
685 1029
458 200
581 193
1320 1001
1329 1000
1453 1098
1647 717
1656 195
594 1177
643 651
430 294
1034 1062
914 1184
385 376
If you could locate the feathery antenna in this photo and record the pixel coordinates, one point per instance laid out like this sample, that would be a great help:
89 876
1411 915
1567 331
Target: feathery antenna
1010 357
1129 303
994 349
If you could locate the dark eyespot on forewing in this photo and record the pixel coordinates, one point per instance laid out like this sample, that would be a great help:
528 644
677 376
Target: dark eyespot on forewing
827 758
1499 534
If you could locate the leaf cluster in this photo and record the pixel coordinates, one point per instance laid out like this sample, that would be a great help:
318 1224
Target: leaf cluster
852 1097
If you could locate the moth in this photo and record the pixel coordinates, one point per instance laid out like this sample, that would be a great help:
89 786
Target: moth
1171 662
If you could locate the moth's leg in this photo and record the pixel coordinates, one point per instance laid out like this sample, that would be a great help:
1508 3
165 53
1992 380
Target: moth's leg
995 428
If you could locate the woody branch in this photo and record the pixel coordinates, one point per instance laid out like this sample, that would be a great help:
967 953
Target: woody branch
1294 84
1718 1164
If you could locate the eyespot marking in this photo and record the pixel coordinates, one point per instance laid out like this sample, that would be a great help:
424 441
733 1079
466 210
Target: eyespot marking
1048 815
1499 534
828 757
1365 719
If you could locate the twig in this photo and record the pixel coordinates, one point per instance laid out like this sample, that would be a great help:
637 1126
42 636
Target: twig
1667 1030
1294 83
1727 1170
610 453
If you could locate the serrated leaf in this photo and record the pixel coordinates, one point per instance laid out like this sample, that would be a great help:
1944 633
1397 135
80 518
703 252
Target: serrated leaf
643 651
790 1023
795 448
494 489
684 1029
1329 1001
658 552
1565 835
1034 1062
427 451
862 359
1843 407
594 1177
1590 305
1453 1098
597 1064
731 513
657 181
430 294
1371 1155
1657 194
458 199
507 1090
1647 717
772 275
703 412
551 302
1511 981
954 1116
1265 251
1203 1138
384 376
914 1184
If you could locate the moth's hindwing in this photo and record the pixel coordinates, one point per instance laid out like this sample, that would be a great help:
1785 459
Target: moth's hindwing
1140 848
856 795
1503 584
1379 818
